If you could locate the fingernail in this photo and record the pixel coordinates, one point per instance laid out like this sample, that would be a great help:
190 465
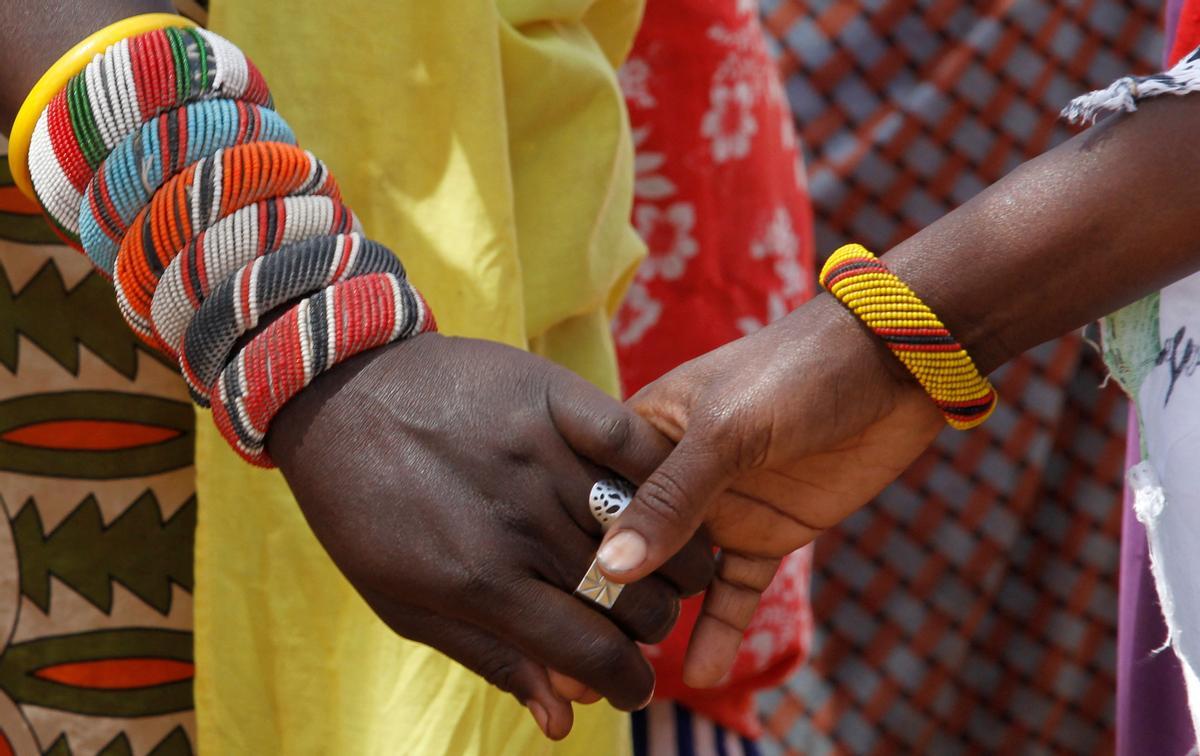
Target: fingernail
540 716
650 698
623 552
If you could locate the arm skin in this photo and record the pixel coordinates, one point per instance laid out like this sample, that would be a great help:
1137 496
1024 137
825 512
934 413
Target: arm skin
37 33
784 433
1068 237
458 536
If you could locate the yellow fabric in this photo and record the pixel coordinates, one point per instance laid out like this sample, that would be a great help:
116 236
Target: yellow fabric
486 142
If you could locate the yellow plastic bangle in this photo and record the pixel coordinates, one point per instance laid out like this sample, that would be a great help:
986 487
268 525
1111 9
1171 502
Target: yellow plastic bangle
55 79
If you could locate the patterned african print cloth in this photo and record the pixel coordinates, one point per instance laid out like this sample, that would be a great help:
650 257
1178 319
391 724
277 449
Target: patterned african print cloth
973 607
96 489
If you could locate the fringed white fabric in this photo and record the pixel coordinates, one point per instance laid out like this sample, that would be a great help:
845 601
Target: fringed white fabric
1166 485
1124 94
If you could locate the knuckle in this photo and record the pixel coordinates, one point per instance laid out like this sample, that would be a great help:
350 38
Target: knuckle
743 432
519 454
477 583
628 679
613 434
499 669
661 618
753 575
604 657
664 497
509 515
524 428
693 568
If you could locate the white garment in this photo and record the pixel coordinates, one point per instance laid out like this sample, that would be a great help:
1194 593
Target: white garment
1163 379
1166 486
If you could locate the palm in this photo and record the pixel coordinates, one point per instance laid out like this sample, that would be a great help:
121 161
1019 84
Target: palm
780 506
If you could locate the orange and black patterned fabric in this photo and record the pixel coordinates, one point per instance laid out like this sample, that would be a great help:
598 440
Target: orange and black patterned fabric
973 607
97 492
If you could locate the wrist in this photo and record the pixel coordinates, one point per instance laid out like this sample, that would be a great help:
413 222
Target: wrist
848 349
973 318
913 332
340 396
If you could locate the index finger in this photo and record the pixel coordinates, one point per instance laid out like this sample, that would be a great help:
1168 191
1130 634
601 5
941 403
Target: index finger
603 430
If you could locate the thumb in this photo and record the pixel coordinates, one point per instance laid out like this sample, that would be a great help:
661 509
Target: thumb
666 511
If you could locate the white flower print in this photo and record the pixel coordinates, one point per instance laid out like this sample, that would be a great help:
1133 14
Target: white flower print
776 309
779 623
648 184
761 646
634 78
742 81
787 127
668 234
639 313
780 241
729 123
801 174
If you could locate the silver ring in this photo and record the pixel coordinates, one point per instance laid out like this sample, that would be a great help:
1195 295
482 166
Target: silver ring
595 587
608 499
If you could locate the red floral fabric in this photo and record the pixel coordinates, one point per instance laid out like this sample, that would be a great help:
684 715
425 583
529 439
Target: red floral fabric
722 204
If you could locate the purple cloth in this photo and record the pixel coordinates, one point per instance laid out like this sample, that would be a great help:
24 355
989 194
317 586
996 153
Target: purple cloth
1152 712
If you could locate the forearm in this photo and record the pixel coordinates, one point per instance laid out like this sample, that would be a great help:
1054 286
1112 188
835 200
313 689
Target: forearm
1090 226
33 34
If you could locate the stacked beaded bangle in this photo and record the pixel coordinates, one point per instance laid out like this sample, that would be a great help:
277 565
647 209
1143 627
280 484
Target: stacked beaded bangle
199 197
303 343
914 334
162 159
297 270
133 81
224 248
161 149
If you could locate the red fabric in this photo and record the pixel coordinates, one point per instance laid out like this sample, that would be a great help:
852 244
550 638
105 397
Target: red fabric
721 203
1187 33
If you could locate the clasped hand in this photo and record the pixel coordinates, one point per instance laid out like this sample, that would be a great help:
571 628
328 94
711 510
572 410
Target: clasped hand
448 479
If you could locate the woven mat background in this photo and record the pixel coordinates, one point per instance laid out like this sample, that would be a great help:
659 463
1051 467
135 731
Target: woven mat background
972 608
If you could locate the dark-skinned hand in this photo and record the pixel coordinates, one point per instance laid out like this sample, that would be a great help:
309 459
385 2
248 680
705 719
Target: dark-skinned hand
780 435
448 479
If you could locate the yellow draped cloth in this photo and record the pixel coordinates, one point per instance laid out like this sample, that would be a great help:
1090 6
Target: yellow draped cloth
486 142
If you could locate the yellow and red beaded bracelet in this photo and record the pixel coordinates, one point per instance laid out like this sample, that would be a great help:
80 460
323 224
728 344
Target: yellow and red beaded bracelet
883 302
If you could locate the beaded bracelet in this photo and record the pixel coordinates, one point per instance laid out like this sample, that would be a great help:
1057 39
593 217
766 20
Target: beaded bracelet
205 192
55 79
160 150
131 82
297 270
914 334
225 247
161 157
304 342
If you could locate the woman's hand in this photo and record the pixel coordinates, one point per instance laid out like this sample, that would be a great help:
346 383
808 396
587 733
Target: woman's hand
449 480
780 435
784 433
